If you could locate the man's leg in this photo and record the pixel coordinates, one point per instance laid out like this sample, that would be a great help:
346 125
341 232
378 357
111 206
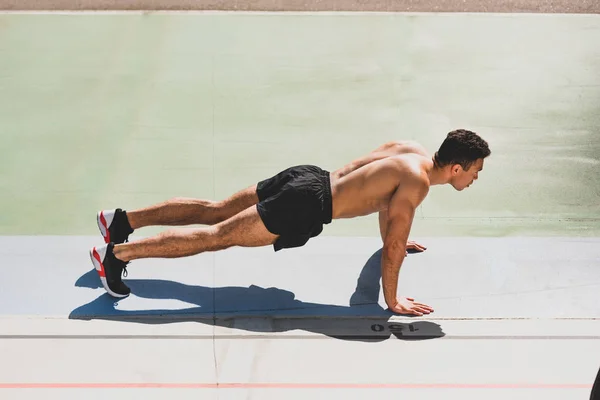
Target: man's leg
244 229
189 211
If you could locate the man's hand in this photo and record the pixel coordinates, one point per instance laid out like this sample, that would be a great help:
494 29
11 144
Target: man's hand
407 305
414 247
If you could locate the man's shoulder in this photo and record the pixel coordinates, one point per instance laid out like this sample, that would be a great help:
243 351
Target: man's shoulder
413 165
405 166
408 146
412 175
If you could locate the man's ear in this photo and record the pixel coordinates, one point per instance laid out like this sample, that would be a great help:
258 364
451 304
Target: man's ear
456 169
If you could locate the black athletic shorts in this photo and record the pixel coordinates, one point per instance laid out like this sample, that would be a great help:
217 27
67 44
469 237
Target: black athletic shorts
295 204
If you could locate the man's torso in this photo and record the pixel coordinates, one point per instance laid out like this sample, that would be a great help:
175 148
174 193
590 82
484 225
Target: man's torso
369 188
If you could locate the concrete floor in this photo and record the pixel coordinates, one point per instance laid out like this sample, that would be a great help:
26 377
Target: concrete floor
249 323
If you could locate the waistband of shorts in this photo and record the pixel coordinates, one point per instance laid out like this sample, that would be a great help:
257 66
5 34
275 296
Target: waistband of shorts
327 200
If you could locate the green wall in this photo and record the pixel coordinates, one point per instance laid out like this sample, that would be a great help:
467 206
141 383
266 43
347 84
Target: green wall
124 110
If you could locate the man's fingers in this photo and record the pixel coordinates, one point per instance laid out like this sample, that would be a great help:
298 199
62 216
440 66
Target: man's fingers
420 309
415 246
415 249
424 306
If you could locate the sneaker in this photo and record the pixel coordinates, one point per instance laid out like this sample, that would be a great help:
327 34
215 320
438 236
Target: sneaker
110 268
114 226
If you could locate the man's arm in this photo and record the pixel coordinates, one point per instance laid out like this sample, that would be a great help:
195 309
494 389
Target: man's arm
400 217
394 249
383 220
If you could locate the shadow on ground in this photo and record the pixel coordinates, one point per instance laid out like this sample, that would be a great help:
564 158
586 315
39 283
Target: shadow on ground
258 309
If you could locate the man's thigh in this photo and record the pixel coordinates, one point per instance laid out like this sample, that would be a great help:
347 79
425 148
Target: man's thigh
245 229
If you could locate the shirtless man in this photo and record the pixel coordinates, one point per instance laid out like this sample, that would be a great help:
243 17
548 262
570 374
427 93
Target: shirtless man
289 208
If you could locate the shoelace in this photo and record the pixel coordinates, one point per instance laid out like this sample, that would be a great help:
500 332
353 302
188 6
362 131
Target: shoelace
125 266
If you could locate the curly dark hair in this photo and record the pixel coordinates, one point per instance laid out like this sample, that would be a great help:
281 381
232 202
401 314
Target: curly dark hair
462 147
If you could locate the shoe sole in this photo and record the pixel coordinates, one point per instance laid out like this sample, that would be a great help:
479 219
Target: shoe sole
97 261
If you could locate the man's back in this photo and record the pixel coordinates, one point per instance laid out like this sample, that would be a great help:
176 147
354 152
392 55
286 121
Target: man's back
367 184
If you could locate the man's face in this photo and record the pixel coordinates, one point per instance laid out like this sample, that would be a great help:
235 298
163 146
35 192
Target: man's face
462 179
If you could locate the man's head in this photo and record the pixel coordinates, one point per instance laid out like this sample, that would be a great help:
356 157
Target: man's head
462 152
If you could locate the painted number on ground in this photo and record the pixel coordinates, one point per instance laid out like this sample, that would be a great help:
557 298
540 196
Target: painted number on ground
397 329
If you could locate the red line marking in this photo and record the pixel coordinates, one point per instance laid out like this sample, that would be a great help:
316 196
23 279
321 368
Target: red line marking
158 385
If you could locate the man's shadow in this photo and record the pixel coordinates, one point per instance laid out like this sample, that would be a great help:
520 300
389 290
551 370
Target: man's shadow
238 307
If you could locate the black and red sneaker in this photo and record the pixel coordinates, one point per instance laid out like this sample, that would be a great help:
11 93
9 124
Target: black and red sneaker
110 269
114 225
